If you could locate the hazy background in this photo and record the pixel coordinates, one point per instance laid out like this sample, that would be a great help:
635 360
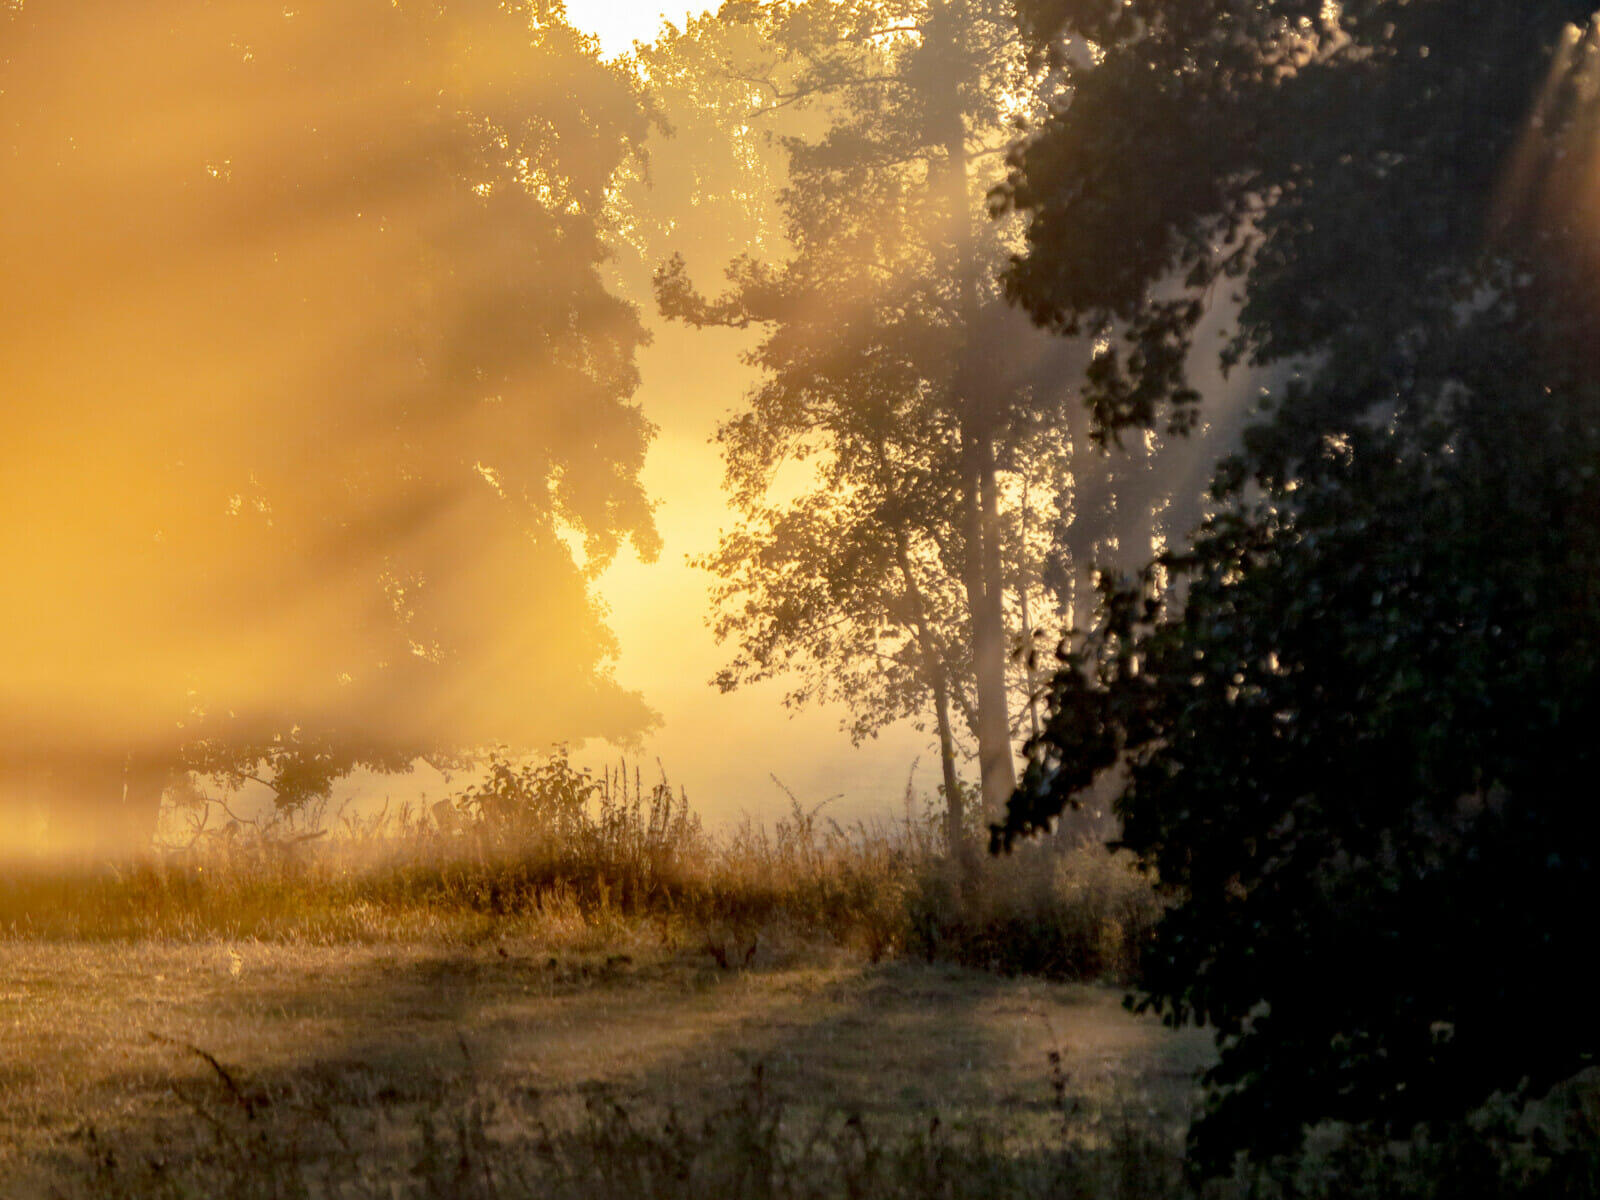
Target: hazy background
726 748
280 470
691 379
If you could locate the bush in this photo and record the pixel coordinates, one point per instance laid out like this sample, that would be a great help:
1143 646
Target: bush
1062 911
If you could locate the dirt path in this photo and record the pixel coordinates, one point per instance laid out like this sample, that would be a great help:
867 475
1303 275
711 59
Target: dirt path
109 1038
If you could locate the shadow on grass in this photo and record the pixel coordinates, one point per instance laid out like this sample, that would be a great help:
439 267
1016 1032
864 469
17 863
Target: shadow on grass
477 1074
498 1074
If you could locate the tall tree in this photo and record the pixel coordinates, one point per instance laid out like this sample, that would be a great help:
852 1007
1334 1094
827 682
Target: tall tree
886 563
318 418
1356 729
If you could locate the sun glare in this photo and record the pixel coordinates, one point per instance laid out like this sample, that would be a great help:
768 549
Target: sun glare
620 23
1554 174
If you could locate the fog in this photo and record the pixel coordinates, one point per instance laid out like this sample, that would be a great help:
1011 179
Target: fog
317 413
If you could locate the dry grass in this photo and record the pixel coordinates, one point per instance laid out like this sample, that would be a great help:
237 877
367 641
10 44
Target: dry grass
546 852
216 1069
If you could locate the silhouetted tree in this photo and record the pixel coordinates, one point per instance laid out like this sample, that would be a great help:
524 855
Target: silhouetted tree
899 579
1357 726
318 420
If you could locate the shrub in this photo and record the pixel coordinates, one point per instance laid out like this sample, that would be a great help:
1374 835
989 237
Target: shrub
1063 911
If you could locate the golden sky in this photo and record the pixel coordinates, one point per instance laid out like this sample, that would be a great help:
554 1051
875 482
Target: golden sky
723 748
278 449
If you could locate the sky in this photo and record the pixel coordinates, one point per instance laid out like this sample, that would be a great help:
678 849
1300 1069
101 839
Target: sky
724 749
266 465
620 23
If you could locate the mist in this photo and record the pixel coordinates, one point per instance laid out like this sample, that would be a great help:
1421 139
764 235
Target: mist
318 415
847 597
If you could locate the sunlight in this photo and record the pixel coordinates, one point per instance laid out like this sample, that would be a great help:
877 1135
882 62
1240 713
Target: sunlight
1554 173
242 393
620 23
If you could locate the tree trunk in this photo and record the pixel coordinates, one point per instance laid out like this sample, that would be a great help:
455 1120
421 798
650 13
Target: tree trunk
955 803
972 386
934 666
996 760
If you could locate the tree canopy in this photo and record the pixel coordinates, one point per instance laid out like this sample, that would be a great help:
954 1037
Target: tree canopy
319 419
877 561
1355 718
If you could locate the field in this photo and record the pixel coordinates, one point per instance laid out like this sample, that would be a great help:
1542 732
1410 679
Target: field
501 1069
563 988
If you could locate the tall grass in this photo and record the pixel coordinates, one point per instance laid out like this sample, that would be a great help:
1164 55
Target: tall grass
543 850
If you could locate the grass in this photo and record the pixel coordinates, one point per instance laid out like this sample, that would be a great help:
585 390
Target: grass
380 1070
558 985
552 853
359 1070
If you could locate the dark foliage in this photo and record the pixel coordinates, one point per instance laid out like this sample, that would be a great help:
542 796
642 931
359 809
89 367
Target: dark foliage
1356 711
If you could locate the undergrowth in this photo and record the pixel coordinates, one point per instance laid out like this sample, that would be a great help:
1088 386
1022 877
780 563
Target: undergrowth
545 851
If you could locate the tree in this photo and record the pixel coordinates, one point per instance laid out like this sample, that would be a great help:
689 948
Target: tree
319 419
1356 725
899 580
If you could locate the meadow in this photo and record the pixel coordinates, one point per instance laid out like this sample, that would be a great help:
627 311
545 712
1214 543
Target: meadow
563 986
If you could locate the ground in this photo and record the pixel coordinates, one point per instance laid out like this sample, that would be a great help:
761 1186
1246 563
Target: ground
104 1048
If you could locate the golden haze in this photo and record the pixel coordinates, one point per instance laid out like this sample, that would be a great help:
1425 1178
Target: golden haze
279 444
269 460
